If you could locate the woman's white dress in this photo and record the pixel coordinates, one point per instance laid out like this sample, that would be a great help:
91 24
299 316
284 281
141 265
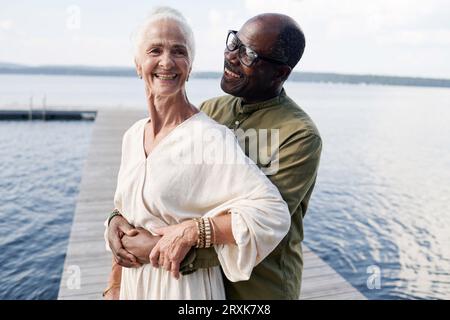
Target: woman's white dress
197 170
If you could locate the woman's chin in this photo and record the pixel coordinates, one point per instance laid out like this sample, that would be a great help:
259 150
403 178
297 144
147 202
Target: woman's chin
165 88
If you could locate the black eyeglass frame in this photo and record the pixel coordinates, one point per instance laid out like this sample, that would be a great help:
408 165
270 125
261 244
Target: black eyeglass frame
241 45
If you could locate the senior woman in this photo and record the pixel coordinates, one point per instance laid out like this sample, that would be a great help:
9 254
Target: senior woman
184 177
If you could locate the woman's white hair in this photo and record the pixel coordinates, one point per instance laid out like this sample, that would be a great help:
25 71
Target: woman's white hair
164 13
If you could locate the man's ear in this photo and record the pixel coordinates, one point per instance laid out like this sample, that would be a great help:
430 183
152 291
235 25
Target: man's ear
138 68
283 72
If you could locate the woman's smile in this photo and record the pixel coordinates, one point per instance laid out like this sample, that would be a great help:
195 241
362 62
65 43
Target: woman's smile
165 78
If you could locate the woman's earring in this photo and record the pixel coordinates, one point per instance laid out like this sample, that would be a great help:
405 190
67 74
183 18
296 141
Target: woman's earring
187 79
140 77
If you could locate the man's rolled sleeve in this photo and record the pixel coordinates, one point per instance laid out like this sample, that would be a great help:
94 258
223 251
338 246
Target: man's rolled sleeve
199 259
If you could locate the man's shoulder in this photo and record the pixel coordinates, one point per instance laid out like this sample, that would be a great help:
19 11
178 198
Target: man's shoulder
216 104
293 119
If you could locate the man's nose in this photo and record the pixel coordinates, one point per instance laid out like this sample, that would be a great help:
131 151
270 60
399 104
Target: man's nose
231 56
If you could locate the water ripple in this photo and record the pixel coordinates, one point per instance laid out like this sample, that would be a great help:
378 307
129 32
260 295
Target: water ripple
39 176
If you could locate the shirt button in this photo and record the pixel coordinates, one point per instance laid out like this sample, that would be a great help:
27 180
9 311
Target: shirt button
236 123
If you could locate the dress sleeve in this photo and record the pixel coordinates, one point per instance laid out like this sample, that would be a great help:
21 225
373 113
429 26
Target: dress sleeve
259 216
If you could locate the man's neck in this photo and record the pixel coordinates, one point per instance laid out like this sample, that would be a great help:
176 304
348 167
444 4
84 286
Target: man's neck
262 98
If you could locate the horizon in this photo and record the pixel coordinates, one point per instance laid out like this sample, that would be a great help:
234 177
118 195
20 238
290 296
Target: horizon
75 66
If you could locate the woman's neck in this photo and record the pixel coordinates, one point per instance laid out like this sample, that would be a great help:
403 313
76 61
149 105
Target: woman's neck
168 112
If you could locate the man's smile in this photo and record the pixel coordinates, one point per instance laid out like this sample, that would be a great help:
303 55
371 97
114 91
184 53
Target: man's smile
231 73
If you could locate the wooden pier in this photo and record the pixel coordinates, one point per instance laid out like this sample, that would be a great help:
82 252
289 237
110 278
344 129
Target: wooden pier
87 264
47 115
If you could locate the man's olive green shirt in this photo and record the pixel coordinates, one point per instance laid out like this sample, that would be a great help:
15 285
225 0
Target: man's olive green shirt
278 276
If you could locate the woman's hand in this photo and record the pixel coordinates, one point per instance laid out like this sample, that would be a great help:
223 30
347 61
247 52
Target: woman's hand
175 243
140 244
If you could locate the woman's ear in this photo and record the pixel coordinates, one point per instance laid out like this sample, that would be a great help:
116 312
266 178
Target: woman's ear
138 68
189 74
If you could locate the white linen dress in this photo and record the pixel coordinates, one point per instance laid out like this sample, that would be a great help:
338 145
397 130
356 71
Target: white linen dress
197 170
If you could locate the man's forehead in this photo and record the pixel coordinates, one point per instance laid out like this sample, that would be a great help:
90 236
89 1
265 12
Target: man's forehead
258 34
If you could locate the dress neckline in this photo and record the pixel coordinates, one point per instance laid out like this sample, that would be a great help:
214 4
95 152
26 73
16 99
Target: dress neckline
147 156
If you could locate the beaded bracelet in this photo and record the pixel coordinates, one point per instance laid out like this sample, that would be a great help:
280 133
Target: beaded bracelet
204 229
207 232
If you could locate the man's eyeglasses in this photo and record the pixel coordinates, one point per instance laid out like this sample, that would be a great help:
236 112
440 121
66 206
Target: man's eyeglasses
246 55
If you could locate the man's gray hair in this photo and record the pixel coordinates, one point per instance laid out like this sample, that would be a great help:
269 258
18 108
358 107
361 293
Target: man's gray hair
164 13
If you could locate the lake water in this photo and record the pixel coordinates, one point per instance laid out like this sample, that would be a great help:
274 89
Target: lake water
381 203
40 170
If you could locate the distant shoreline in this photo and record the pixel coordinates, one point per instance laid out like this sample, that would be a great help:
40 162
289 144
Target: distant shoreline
295 76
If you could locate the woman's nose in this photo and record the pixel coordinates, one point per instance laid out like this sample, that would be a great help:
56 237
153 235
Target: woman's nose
166 61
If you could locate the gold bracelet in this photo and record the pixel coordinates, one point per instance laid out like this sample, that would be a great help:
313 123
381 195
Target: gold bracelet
199 239
114 285
213 231
205 231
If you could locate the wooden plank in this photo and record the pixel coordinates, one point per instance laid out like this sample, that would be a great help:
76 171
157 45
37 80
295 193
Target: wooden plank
86 250
320 281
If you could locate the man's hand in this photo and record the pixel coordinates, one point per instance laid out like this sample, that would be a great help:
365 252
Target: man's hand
175 243
118 227
140 245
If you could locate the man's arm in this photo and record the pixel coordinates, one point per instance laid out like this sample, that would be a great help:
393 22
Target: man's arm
141 243
298 164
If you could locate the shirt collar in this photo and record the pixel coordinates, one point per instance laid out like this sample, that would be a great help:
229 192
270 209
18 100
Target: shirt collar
252 107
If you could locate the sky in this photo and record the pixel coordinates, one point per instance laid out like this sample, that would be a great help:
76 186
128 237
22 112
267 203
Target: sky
387 37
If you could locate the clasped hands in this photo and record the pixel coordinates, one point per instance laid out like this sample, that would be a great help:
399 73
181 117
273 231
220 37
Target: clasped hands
132 247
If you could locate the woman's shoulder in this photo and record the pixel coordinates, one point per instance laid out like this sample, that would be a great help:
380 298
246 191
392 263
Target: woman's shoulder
135 129
209 123
204 124
211 132
137 126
